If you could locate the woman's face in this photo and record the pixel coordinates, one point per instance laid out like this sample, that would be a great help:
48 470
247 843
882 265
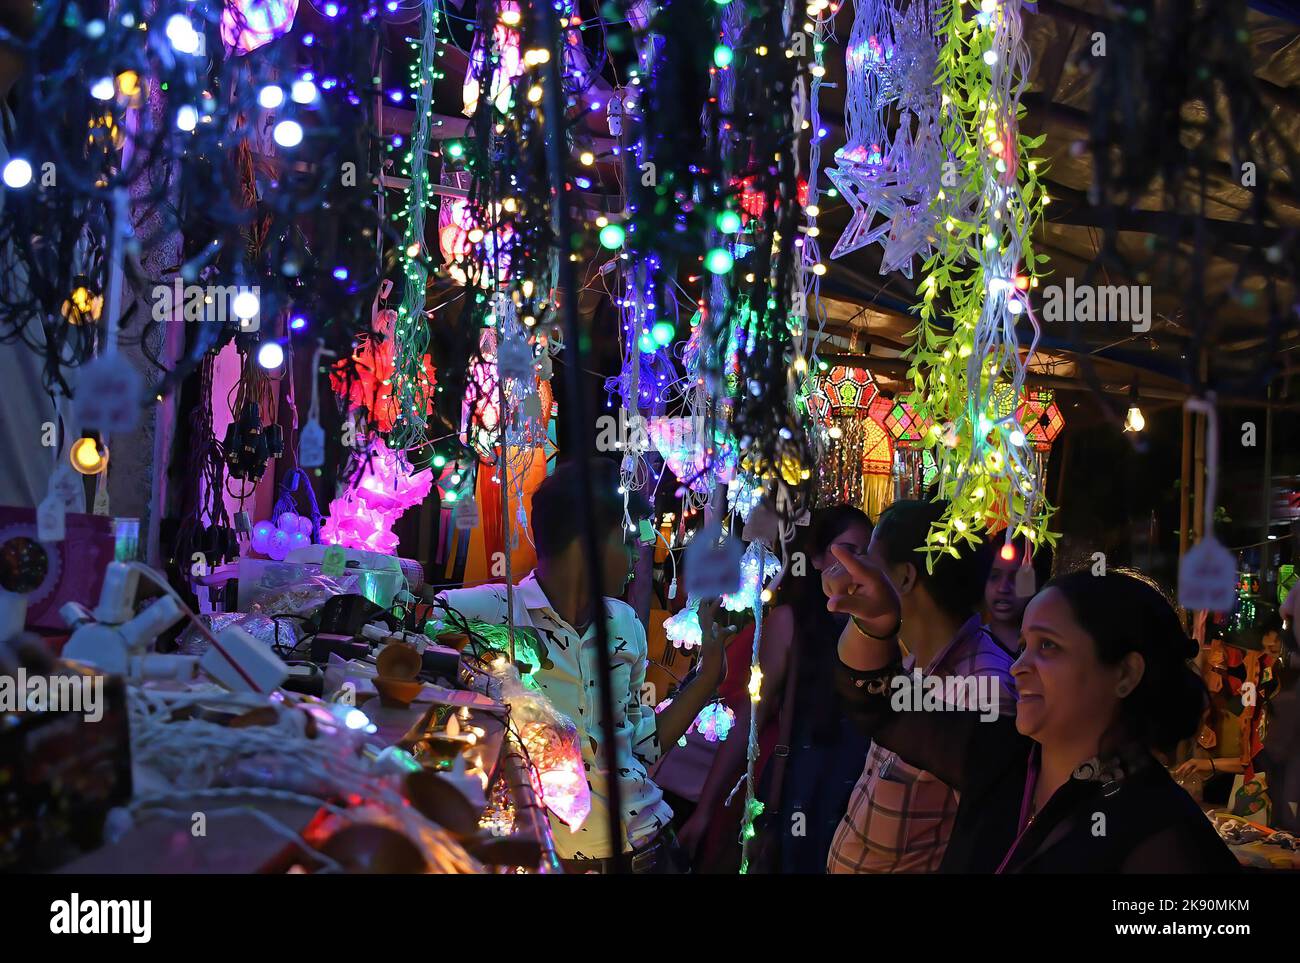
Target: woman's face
854 539
1066 694
1004 605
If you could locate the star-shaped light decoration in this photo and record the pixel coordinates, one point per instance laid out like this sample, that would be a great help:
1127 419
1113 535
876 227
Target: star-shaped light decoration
905 71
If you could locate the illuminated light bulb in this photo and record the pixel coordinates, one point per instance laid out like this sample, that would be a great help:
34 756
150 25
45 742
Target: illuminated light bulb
1015 306
535 93
187 118
245 305
812 210
270 97
819 269
611 236
270 355
88 456
288 133
455 478
510 18
103 89
728 222
836 432
17 173
1008 552
1017 438
718 261
475 235
303 91
298 323
455 149
800 365
723 56
1134 420
647 343
765 596
184 38
587 158
449 497
663 333
413 249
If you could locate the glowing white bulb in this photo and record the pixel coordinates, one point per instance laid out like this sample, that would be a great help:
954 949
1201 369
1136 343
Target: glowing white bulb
1015 305
18 173
303 91
990 57
245 305
184 38
187 118
270 355
270 96
1018 438
288 133
103 89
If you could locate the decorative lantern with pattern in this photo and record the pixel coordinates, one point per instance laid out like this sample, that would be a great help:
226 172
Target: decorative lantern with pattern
1040 418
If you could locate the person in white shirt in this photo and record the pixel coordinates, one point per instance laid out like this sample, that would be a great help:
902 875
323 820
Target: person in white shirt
555 600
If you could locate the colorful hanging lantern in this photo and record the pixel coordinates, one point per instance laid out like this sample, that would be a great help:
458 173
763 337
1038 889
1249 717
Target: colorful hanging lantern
909 429
1040 418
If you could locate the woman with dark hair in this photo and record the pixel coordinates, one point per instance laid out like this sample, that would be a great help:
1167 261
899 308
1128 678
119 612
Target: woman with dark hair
818 753
1104 680
1004 600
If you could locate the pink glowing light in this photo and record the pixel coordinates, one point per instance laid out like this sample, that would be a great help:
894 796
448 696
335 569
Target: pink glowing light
364 515
249 24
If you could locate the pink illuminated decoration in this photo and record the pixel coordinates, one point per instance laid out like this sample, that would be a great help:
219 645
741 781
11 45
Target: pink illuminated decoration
460 234
249 24
561 775
370 384
364 515
508 67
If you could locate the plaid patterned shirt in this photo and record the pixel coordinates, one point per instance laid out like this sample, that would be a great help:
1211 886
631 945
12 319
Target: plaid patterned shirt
900 817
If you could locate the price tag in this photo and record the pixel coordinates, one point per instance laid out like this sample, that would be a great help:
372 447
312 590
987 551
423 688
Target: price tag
101 501
334 562
515 360
713 564
68 486
762 525
1026 582
49 519
1207 577
108 395
465 516
311 445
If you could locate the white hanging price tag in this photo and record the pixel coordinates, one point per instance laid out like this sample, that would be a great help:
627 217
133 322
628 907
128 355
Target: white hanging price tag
1207 577
311 445
101 500
465 515
713 564
49 519
69 487
1026 582
515 360
334 561
108 395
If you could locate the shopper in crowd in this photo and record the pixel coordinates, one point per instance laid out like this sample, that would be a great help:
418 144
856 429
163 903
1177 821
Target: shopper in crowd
1103 680
556 601
810 754
1004 597
901 812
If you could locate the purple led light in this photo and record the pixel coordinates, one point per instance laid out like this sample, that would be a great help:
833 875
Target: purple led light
298 323
341 273
395 96
308 39
331 10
